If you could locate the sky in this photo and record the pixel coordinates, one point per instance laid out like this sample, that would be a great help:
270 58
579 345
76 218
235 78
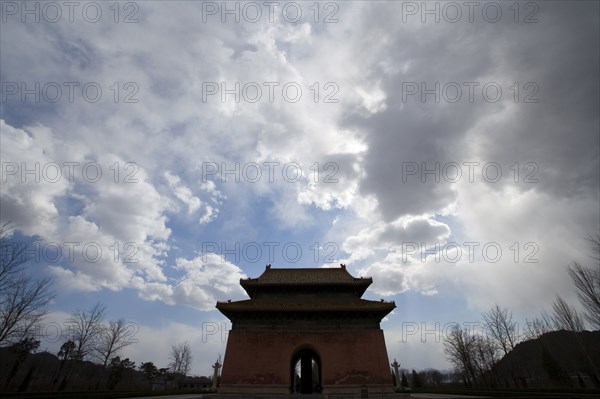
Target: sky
155 152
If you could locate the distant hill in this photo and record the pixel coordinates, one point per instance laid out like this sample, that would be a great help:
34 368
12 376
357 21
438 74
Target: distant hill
556 359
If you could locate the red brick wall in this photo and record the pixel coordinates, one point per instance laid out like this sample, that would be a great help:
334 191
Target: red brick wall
347 358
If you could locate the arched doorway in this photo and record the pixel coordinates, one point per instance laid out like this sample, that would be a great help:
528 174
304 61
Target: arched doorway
306 372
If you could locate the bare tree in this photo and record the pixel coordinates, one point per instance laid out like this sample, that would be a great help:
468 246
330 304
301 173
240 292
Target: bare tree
84 329
472 355
565 316
539 326
181 358
484 354
23 300
457 348
502 328
113 337
587 282
11 257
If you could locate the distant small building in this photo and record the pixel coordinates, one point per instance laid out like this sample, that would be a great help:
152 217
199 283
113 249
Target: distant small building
308 331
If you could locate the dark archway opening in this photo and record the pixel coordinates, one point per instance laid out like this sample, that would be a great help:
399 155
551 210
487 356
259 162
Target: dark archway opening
306 372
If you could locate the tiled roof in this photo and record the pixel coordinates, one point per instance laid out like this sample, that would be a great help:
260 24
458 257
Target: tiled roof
314 305
295 276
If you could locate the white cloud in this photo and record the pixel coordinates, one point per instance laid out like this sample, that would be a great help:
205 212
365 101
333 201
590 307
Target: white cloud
30 199
119 220
397 236
393 276
183 193
207 278
210 214
74 280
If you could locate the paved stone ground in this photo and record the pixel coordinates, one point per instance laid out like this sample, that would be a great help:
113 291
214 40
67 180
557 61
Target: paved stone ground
297 396
212 396
193 396
439 395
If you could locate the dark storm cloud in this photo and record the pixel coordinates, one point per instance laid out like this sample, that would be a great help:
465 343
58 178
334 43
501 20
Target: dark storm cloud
559 134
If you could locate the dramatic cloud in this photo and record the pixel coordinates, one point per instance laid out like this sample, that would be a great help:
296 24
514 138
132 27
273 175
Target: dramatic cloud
417 145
